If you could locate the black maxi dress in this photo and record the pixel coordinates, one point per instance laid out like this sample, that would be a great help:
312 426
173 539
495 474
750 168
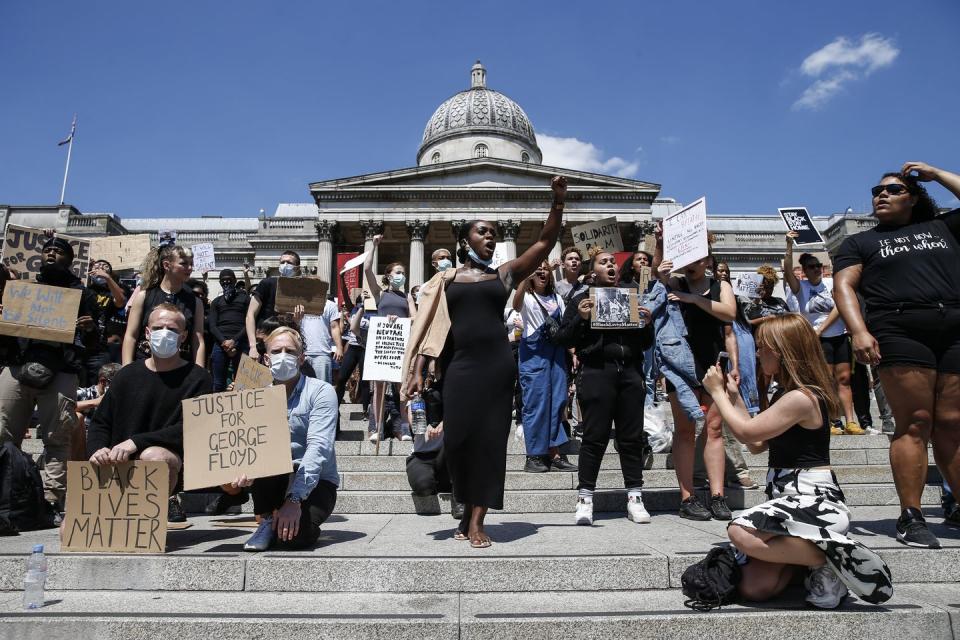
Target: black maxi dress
479 373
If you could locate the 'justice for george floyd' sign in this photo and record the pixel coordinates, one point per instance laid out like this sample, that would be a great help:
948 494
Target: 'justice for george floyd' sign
22 251
233 433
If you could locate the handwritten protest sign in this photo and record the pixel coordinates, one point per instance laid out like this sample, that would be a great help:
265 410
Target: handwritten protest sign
309 292
32 310
614 308
203 258
22 251
603 234
746 285
386 343
685 235
121 507
233 433
643 278
122 252
251 375
797 219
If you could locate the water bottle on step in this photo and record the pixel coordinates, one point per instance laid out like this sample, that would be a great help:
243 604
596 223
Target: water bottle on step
34 579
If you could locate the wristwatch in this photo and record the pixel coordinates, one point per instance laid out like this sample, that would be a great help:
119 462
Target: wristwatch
294 499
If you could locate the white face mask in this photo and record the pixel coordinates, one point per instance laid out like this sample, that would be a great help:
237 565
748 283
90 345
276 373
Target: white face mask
443 264
287 269
398 281
164 343
284 366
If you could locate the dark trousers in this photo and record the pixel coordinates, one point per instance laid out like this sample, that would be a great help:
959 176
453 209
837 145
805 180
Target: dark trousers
353 359
91 368
270 493
427 473
608 394
860 386
221 364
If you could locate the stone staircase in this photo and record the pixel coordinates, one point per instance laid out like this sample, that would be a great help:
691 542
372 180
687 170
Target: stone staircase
387 566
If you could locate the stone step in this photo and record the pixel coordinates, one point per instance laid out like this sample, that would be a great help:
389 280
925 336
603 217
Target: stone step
416 554
915 611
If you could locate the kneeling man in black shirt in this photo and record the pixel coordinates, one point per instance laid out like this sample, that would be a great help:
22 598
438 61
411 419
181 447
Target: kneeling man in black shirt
140 416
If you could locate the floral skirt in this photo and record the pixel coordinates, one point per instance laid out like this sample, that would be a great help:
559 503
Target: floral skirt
809 504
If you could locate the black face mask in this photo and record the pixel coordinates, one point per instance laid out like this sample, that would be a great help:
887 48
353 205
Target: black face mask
229 291
56 274
98 282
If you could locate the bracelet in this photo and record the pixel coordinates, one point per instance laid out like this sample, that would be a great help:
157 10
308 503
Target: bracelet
558 205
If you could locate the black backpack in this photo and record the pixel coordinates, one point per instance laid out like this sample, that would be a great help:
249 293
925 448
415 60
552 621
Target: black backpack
23 506
713 581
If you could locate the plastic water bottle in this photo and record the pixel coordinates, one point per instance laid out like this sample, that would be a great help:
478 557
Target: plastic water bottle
418 415
34 579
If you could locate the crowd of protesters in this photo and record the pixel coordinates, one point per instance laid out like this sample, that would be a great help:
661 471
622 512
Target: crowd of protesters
517 342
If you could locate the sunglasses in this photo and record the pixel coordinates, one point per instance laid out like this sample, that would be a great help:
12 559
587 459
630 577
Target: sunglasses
893 189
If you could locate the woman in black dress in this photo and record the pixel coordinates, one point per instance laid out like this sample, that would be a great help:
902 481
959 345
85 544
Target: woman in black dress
477 366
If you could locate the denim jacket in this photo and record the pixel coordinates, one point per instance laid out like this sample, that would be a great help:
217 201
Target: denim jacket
672 351
312 412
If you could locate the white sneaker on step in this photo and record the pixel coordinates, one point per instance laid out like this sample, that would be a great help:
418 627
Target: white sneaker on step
584 513
636 511
824 589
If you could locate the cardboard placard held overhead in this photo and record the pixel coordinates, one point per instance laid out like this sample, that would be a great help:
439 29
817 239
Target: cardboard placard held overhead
386 344
797 219
643 278
650 243
203 258
614 308
40 311
22 250
122 252
251 375
603 234
685 235
309 292
369 304
745 285
117 508
233 433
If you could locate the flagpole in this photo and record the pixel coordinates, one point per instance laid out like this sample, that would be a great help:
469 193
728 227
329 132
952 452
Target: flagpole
66 171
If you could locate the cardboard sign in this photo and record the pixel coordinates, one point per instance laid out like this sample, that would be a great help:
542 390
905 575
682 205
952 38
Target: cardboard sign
251 375
643 278
499 256
233 433
122 252
685 235
797 219
603 234
117 508
746 284
40 311
369 304
650 243
309 292
614 308
386 343
354 262
22 251
203 258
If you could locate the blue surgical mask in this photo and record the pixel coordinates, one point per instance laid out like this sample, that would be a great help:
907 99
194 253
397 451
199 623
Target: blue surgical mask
287 269
398 281
443 264
476 259
164 343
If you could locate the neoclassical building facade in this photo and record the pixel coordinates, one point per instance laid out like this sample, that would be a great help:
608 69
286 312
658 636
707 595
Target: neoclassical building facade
478 158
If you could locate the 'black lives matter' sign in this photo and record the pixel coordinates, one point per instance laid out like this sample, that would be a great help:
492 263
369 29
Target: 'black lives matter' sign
386 344
235 433
121 507
797 219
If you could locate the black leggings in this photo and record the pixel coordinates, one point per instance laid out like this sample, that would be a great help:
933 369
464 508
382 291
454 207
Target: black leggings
353 359
613 393
270 493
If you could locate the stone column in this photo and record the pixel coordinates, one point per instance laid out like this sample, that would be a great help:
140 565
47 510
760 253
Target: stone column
558 246
640 230
371 228
325 231
418 233
509 229
456 224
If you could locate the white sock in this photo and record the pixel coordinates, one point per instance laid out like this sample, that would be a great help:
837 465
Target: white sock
586 494
635 493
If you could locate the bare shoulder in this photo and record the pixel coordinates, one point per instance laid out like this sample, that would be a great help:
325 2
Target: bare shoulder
805 406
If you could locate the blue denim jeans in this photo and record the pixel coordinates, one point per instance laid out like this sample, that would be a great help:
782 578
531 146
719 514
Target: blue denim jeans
747 350
323 366
543 379
221 365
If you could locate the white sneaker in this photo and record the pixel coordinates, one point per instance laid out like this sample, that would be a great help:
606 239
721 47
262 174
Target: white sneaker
405 438
636 511
824 589
584 513
374 436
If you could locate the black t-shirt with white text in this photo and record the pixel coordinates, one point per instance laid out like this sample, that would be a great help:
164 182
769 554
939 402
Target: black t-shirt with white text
915 264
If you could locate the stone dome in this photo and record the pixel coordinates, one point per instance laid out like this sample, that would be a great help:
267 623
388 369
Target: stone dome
479 113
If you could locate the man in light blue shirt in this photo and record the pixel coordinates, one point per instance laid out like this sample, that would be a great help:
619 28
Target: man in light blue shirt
293 506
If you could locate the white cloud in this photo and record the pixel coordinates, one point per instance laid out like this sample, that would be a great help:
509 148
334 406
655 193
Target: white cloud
572 153
841 62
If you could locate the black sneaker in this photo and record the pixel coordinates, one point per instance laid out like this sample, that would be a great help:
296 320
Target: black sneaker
691 509
719 508
536 464
224 502
175 511
951 516
561 463
912 530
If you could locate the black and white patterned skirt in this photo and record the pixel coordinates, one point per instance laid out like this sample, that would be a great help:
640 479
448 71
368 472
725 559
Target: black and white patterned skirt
809 504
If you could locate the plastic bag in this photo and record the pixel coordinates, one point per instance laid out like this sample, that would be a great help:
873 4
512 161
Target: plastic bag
658 424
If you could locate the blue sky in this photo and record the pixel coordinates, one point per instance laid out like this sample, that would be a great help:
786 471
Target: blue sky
217 108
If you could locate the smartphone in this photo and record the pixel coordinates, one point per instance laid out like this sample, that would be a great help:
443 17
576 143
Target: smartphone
723 361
